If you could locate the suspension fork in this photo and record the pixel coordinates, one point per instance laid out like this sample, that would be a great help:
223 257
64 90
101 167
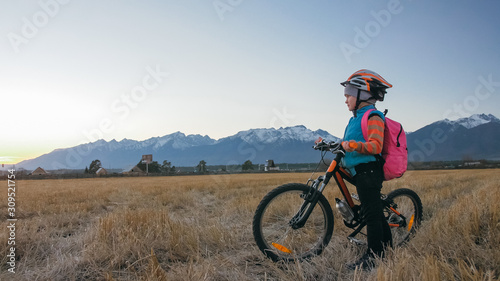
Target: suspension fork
310 200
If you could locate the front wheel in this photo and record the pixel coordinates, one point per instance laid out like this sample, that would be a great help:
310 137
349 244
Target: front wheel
272 227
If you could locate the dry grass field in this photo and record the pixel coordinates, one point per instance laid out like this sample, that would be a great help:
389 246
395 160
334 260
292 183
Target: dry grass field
199 228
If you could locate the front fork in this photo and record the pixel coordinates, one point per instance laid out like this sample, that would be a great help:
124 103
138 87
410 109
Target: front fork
310 200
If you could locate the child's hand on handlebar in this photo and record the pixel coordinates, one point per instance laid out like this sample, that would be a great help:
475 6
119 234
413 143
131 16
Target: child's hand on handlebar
349 146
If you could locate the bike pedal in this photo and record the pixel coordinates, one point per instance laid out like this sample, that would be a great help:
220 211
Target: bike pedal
355 196
357 241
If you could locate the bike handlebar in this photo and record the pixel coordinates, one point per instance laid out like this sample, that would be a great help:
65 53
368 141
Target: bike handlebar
334 147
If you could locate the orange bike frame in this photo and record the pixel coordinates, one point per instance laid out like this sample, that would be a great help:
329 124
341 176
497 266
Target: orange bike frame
339 174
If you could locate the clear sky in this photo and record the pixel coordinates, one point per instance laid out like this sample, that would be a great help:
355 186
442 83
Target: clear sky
75 71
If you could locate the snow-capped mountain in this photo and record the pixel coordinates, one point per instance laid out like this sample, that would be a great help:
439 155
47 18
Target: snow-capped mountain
179 140
475 137
472 121
476 120
291 144
268 136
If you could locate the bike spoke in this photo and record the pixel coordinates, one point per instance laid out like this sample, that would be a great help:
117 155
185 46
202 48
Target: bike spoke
402 215
277 234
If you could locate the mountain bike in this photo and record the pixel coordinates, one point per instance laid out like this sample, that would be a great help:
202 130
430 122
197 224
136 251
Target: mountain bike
295 221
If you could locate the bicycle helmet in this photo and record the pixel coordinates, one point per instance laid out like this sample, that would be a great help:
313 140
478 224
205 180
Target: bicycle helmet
369 81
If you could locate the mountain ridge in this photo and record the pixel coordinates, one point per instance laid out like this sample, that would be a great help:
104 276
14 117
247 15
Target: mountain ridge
181 149
438 141
447 140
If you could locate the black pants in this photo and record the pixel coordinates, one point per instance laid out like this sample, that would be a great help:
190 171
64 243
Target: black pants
368 179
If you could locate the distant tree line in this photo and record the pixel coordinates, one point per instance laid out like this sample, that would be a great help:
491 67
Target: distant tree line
166 168
202 168
155 168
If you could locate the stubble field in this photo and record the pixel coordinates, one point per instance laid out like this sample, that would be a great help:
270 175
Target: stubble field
199 228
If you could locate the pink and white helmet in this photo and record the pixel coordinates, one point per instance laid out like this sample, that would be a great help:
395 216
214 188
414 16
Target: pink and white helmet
370 81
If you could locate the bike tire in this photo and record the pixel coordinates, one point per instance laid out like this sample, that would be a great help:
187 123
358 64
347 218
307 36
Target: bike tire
406 202
274 235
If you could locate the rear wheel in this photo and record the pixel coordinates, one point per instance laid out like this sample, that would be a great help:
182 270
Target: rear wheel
274 234
403 211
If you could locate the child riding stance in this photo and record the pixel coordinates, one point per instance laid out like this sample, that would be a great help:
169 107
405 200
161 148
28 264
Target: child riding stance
362 90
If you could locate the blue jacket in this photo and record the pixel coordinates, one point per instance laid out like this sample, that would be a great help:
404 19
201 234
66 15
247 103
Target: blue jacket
353 132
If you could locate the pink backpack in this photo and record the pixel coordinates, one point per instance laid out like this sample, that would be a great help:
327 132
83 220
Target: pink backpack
394 150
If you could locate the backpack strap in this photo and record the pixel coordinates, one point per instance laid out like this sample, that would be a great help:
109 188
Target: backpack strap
364 129
364 123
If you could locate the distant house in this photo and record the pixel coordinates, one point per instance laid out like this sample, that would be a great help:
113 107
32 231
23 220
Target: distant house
101 172
135 171
469 164
270 166
38 172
